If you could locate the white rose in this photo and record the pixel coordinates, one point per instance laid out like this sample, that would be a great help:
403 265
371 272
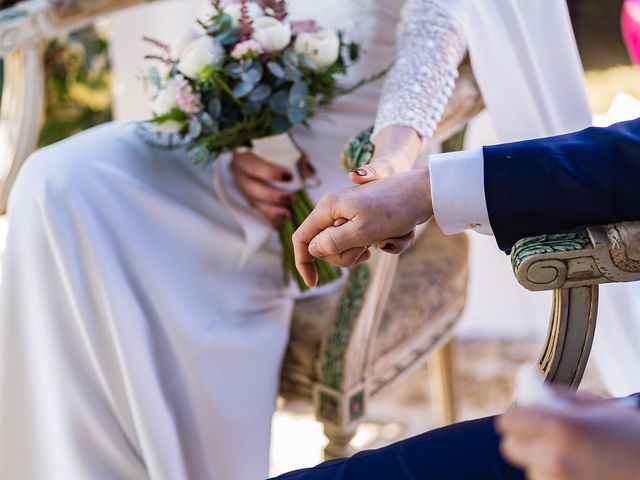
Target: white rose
272 34
165 101
199 54
322 48
169 126
235 12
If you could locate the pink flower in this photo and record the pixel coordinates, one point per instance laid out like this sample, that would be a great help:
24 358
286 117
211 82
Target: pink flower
186 99
631 28
304 26
242 49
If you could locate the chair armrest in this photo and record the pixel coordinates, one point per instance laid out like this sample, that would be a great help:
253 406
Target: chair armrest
573 266
601 254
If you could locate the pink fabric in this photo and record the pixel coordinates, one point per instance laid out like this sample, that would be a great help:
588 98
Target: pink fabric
631 28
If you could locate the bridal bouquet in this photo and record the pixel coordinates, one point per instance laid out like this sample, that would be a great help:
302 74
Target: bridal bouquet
251 75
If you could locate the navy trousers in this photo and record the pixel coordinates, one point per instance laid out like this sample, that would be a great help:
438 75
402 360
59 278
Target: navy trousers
464 451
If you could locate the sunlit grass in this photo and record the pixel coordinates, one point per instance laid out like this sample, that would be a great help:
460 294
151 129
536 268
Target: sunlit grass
604 85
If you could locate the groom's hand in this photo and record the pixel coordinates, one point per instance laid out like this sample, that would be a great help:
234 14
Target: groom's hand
345 223
396 149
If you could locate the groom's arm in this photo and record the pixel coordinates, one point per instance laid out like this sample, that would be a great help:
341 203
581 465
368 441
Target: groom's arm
516 190
549 185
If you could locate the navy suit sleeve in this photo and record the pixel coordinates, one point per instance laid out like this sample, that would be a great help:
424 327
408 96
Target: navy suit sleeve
564 183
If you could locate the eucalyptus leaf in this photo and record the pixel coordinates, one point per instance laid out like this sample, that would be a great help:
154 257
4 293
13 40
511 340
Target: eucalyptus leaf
234 70
226 22
308 63
199 155
280 124
279 102
242 89
296 115
209 124
297 93
227 38
154 77
290 58
276 70
195 128
214 107
260 94
253 75
293 73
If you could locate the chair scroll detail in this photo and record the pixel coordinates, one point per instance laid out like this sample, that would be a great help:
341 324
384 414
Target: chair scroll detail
573 265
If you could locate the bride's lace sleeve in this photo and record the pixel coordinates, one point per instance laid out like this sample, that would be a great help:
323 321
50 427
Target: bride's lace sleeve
431 45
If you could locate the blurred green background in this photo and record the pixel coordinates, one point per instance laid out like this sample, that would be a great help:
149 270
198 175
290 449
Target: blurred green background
78 84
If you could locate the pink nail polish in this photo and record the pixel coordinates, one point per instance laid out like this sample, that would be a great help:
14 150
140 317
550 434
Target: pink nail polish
361 172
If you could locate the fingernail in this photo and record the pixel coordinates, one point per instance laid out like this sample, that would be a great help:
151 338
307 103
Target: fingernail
389 247
361 172
286 177
282 216
286 199
313 248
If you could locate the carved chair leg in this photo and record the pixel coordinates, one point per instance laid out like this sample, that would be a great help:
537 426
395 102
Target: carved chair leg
441 371
20 113
339 441
570 336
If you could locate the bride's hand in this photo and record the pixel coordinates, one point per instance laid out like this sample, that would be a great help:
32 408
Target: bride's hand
396 150
254 175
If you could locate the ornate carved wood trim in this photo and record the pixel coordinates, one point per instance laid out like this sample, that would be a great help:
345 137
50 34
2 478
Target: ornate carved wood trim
20 113
573 266
624 239
570 336
337 340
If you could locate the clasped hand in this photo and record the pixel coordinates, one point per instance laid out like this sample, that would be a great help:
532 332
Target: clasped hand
345 223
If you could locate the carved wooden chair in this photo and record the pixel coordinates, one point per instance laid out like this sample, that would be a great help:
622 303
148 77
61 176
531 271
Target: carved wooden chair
573 266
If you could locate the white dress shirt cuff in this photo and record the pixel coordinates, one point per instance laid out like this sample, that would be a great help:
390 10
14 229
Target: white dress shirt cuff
457 191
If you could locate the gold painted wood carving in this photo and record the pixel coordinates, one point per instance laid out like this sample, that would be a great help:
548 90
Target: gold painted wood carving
573 265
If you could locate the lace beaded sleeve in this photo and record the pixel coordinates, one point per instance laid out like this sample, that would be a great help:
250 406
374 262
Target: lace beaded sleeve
431 45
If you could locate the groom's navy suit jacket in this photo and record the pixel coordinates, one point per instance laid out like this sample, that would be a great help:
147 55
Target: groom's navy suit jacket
564 183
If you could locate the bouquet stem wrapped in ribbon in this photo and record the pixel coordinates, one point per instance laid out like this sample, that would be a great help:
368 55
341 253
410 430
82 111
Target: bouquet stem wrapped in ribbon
251 75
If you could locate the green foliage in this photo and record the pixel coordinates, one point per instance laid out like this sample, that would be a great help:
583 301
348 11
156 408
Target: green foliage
257 95
77 85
